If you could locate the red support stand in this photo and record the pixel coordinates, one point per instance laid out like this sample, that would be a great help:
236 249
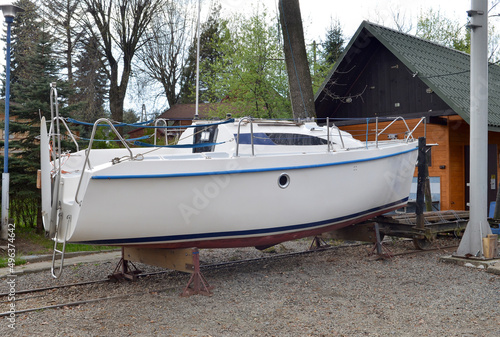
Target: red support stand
197 284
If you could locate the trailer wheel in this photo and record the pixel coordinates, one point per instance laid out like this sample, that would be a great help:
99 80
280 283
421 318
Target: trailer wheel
423 243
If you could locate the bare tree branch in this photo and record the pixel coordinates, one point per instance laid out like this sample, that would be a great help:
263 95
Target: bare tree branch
120 26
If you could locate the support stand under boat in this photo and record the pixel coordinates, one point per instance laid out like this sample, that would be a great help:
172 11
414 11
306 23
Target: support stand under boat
421 241
318 243
197 283
378 246
123 270
185 260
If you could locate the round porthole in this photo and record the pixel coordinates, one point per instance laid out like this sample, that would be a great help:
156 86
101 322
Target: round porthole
284 180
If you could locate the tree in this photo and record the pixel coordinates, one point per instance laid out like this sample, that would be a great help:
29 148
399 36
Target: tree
299 76
64 17
164 55
33 68
25 33
333 46
248 75
90 82
119 26
434 26
324 55
211 35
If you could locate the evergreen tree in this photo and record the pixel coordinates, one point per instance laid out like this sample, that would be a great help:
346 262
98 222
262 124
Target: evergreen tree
33 68
323 56
26 30
210 39
90 82
333 46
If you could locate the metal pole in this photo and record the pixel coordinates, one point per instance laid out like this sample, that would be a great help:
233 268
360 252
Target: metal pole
197 61
478 227
328 133
419 211
5 174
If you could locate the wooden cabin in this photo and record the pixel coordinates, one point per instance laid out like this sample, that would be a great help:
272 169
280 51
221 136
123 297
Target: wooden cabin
385 73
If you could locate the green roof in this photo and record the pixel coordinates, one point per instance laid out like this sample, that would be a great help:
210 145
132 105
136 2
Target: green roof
446 71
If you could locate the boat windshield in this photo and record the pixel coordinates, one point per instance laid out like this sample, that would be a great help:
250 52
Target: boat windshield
205 135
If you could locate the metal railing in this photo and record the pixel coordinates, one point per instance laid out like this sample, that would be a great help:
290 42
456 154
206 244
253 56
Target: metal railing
408 132
87 151
67 129
248 119
328 135
156 128
56 158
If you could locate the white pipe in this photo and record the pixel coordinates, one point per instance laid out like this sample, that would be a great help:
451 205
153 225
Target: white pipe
478 225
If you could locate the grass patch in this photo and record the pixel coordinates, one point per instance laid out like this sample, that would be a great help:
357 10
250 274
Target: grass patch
74 247
4 261
30 243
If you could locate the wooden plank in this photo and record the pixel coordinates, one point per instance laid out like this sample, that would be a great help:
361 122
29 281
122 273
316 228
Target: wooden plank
360 232
430 217
175 259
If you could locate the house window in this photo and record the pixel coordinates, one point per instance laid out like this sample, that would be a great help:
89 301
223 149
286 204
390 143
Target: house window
435 185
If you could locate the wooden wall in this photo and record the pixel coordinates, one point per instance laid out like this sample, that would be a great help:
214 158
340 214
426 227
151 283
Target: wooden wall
377 83
459 137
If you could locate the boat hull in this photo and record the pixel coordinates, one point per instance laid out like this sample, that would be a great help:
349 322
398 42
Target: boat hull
221 202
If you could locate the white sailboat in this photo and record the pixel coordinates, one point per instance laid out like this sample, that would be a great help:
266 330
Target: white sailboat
231 183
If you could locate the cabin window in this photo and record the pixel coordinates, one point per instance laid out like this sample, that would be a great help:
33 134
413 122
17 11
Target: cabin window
205 135
284 180
260 138
295 139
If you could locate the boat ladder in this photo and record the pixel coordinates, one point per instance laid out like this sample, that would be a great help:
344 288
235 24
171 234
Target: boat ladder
59 250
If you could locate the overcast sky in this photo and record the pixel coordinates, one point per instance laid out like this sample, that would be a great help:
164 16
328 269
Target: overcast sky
317 14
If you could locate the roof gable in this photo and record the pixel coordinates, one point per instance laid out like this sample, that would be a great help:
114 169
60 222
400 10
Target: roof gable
187 111
444 70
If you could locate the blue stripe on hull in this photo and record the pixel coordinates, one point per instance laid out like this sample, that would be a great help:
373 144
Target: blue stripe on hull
242 233
269 169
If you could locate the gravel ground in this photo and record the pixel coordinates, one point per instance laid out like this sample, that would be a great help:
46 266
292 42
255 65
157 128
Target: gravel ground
338 292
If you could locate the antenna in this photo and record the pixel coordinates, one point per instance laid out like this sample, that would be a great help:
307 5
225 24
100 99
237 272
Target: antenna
197 61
